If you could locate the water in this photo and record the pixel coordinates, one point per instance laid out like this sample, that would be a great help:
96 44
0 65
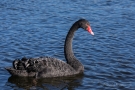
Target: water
38 28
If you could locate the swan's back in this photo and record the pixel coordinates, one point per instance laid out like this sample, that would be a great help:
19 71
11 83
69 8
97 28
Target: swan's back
41 67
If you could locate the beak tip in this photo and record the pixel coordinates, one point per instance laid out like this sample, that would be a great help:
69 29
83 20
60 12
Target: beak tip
92 33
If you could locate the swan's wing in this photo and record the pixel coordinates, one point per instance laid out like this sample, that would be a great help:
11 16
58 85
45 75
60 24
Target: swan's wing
50 67
41 67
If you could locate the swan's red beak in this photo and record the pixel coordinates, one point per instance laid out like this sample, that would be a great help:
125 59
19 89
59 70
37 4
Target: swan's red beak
90 30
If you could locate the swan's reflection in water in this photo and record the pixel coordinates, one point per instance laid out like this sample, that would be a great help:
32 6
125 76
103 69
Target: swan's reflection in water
60 83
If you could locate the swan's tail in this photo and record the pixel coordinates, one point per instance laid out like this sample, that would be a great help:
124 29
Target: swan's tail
23 73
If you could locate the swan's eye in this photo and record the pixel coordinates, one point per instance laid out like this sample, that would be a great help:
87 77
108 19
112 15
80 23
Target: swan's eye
81 24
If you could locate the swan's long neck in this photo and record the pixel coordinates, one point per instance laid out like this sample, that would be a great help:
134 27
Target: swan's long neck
69 55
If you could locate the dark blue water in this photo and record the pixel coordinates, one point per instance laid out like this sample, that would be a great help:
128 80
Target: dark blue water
33 28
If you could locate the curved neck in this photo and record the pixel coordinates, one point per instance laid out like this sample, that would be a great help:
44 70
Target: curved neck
69 55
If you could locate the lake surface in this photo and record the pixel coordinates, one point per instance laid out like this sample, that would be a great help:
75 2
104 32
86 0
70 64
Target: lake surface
30 28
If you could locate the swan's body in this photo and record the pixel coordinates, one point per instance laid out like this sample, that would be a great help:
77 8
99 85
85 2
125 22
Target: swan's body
52 67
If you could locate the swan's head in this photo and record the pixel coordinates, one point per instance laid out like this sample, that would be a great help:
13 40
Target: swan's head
85 25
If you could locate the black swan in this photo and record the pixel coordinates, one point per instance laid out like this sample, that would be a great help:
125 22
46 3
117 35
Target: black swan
44 67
